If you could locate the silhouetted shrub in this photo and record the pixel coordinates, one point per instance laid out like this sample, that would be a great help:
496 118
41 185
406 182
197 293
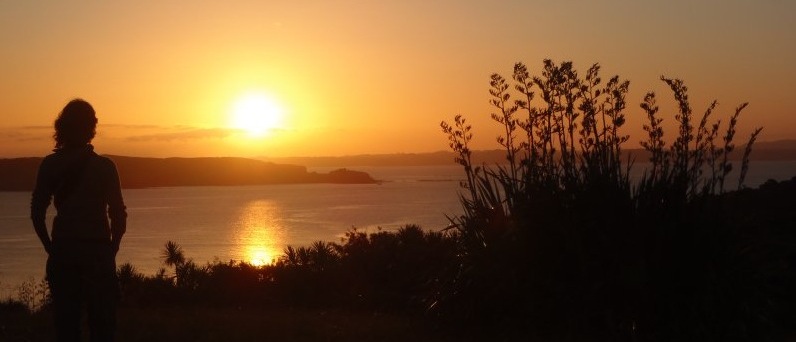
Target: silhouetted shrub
35 295
396 270
13 305
382 271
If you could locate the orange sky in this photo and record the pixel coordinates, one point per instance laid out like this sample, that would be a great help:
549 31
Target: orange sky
356 77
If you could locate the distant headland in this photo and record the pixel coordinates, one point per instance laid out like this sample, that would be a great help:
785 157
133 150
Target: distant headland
19 174
761 150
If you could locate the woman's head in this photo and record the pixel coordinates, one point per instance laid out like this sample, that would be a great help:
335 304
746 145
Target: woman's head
76 125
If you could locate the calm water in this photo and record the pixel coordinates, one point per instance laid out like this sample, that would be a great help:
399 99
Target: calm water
251 223
255 223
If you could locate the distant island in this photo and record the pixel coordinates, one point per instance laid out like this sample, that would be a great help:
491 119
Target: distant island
19 174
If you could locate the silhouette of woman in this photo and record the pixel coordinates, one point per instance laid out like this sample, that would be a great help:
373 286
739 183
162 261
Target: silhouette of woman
86 193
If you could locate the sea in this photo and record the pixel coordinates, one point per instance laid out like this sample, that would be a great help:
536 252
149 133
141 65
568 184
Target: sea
255 223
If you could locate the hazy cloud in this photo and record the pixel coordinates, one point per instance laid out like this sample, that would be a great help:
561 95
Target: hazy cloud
185 134
124 126
32 128
25 134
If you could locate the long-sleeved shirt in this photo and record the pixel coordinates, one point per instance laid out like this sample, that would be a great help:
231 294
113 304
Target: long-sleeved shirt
86 192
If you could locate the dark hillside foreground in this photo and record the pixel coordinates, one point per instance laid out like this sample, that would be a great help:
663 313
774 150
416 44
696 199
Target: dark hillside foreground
232 324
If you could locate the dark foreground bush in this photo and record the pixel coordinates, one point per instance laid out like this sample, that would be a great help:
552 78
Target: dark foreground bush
381 271
559 243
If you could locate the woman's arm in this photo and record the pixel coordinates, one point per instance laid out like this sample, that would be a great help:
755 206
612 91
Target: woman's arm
116 208
40 200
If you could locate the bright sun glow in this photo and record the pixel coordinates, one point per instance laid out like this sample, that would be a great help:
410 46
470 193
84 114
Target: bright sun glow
260 256
256 114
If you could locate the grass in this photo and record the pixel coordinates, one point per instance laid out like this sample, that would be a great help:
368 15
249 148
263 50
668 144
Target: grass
231 324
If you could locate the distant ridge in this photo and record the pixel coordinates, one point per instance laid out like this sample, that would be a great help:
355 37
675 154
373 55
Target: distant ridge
19 174
761 150
396 159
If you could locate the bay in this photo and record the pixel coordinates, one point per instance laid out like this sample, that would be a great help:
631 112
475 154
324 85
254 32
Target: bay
255 223
244 223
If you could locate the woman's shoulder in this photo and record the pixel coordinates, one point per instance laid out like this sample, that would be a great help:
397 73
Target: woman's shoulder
52 159
105 166
104 161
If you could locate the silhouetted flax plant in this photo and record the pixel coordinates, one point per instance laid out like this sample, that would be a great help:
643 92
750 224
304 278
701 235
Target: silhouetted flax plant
559 242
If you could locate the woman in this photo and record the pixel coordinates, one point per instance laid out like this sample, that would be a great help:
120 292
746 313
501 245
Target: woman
81 263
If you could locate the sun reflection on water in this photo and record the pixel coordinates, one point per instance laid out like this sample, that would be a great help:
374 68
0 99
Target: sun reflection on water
259 237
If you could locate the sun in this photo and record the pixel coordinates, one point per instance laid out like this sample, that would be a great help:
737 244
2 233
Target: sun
259 256
256 114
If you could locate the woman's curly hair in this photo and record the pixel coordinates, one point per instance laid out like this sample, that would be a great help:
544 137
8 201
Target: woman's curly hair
76 125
